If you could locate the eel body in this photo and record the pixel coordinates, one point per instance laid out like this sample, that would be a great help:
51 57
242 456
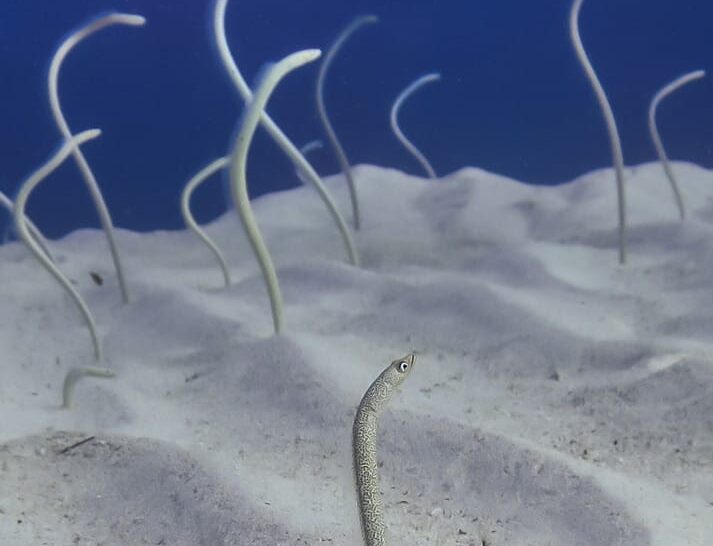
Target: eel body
364 433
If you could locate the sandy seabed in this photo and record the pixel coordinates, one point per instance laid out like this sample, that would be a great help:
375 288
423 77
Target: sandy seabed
558 398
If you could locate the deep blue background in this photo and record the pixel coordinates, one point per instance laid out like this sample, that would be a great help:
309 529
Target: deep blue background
513 98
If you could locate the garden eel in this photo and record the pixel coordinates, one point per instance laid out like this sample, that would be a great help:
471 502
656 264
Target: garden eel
74 375
364 444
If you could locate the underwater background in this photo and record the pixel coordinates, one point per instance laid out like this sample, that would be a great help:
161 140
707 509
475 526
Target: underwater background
513 99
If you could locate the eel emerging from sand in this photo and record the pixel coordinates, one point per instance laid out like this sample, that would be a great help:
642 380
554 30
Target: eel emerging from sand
364 445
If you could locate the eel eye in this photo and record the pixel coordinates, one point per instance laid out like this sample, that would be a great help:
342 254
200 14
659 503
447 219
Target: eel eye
403 366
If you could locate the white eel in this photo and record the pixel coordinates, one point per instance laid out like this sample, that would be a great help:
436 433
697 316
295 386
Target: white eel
665 91
612 130
371 510
190 221
90 180
394 120
238 171
74 375
23 231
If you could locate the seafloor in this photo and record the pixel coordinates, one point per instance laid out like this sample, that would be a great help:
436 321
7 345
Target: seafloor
558 397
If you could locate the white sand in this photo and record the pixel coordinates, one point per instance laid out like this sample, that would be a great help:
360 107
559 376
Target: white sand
558 398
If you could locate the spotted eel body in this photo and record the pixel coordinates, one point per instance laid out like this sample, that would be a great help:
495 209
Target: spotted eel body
364 445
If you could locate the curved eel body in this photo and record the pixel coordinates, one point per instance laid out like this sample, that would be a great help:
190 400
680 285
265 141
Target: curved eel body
364 445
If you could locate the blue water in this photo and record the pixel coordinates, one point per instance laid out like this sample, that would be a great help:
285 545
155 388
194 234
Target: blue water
513 98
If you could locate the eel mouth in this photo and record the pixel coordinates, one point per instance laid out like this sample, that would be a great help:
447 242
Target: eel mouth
410 358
